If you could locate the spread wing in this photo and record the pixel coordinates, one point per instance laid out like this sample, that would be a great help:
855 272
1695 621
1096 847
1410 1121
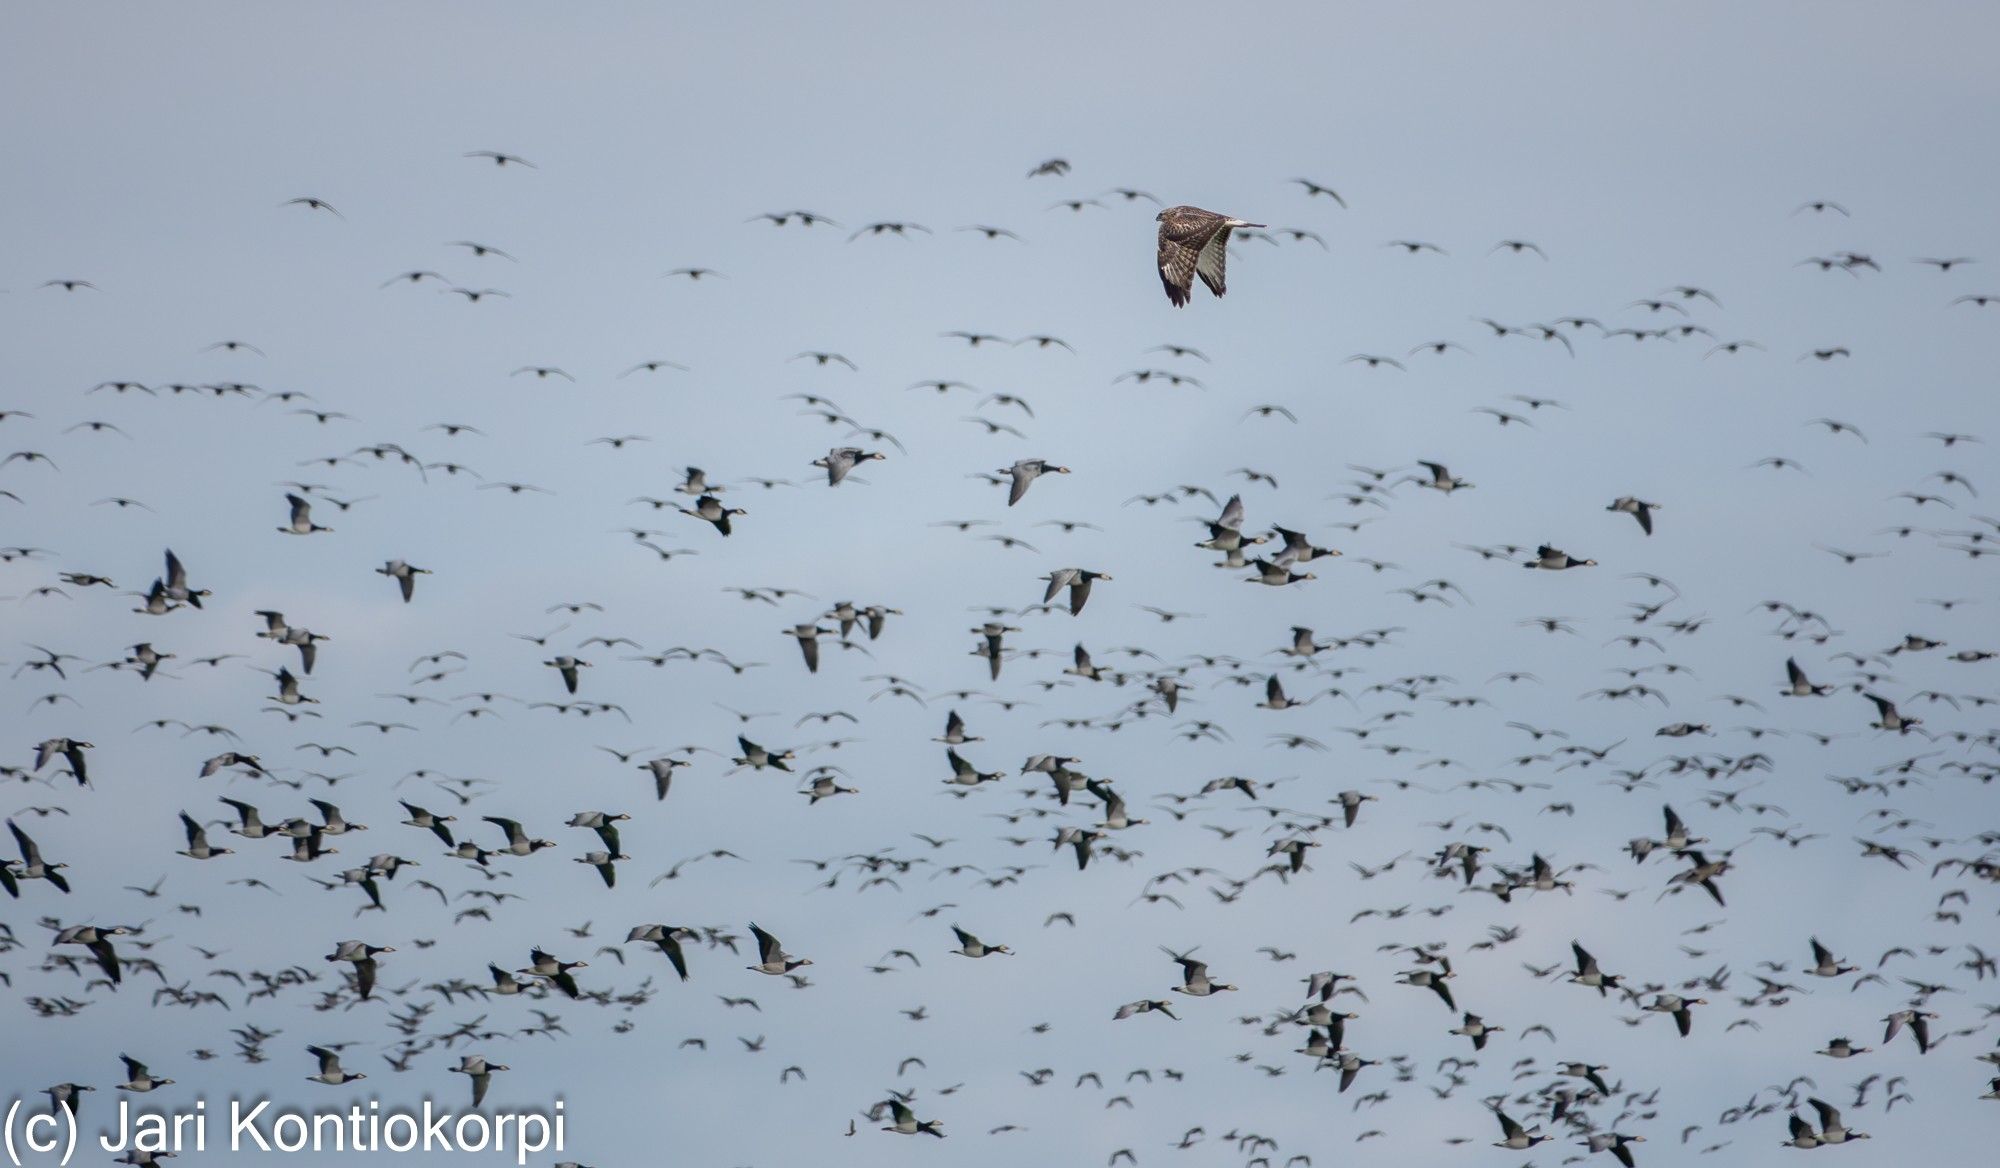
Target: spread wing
1185 237
1213 258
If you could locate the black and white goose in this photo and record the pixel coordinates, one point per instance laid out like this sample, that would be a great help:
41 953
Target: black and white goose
1077 580
1889 718
1441 479
606 864
519 842
1023 474
964 774
1195 981
33 866
771 956
842 459
971 946
330 1071
1555 560
1798 685
667 938
197 840
361 955
1831 1130
808 635
545 966
907 1124
138 1079
567 666
1515 1137
480 1071
301 519
1641 511
405 575
709 509
97 939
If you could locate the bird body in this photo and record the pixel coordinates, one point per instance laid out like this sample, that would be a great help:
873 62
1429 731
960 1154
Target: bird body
1194 242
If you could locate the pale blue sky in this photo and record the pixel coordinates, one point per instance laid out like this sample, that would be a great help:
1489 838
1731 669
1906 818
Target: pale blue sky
151 152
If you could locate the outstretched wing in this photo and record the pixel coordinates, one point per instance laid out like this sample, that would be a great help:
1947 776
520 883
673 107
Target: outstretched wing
1213 258
1185 235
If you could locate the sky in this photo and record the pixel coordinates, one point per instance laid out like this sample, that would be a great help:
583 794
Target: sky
156 152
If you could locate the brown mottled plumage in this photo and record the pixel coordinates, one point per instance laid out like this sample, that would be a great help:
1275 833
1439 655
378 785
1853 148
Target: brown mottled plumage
1194 242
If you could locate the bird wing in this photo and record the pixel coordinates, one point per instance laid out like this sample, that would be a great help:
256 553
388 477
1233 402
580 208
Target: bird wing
1184 233
30 854
1213 258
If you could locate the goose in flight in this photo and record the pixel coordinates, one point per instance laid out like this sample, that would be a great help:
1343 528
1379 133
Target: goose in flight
1588 974
1078 581
1277 573
97 939
405 575
476 1068
667 939
964 774
709 509
545 966
362 956
1195 982
606 864
971 946
1888 718
70 750
1681 1008
1515 1137
808 635
842 459
1803 1135
138 1079
1798 685
567 666
1615 1144
771 956
1441 479
1555 560
519 842
1919 1022
330 1070
1643 512
1831 1130
1023 473
907 1124
197 840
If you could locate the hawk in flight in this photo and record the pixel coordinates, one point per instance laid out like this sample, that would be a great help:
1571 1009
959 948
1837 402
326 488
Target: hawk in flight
1194 242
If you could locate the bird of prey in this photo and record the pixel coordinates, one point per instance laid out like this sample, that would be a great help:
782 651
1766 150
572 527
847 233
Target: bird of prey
1194 242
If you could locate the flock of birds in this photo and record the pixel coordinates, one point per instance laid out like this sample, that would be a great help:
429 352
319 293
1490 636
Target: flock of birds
1425 919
